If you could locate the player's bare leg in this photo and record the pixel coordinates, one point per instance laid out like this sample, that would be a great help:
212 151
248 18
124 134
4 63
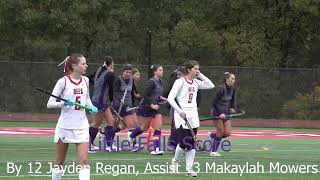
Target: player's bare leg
227 129
131 121
144 123
61 153
84 173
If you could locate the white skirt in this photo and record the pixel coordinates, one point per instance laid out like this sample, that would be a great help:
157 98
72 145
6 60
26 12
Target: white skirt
71 135
192 116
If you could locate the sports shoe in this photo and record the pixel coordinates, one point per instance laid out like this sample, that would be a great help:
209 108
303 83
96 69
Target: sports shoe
174 167
156 152
113 149
137 147
132 141
93 149
191 173
134 146
214 154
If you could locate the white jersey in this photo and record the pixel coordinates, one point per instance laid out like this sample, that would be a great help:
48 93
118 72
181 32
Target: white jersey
183 98
71 117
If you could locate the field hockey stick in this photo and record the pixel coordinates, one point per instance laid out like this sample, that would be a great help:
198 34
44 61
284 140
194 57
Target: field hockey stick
198 143
122 100
138 107
62 99
128 109
240 113
119 118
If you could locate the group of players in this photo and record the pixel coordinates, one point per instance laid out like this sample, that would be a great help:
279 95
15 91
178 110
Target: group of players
114 95
113 98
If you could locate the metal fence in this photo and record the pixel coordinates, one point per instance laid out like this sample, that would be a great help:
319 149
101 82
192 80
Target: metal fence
261 92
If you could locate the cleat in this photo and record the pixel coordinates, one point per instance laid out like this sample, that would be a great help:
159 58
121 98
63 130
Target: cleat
191 173
93 149
133 144
156 152
112 149
214 154
137 148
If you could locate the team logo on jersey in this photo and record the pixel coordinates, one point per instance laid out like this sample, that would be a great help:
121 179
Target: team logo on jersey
77 91
191 89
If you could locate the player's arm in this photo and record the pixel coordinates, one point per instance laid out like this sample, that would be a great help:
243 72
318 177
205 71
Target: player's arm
232 104
92 109
116 84
88 100
172 79
217 96
110 78
148 91
57 90
205 82
173 94
134 90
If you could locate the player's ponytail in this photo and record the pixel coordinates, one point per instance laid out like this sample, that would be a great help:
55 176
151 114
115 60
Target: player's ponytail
108 60
68 61
182 69
154 68
65 62
226 76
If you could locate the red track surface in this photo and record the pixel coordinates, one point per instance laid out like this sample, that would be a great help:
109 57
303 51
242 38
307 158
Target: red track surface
36 132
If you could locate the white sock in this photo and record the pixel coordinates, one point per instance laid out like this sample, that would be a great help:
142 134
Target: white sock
84 174
190 158
56 174
178 153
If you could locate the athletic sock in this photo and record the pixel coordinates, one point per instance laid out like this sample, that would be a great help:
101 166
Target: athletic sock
56 174
136 132
129 133
109 133
84 174
93 133
156 137
117 129
215 143
190 158
178 153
